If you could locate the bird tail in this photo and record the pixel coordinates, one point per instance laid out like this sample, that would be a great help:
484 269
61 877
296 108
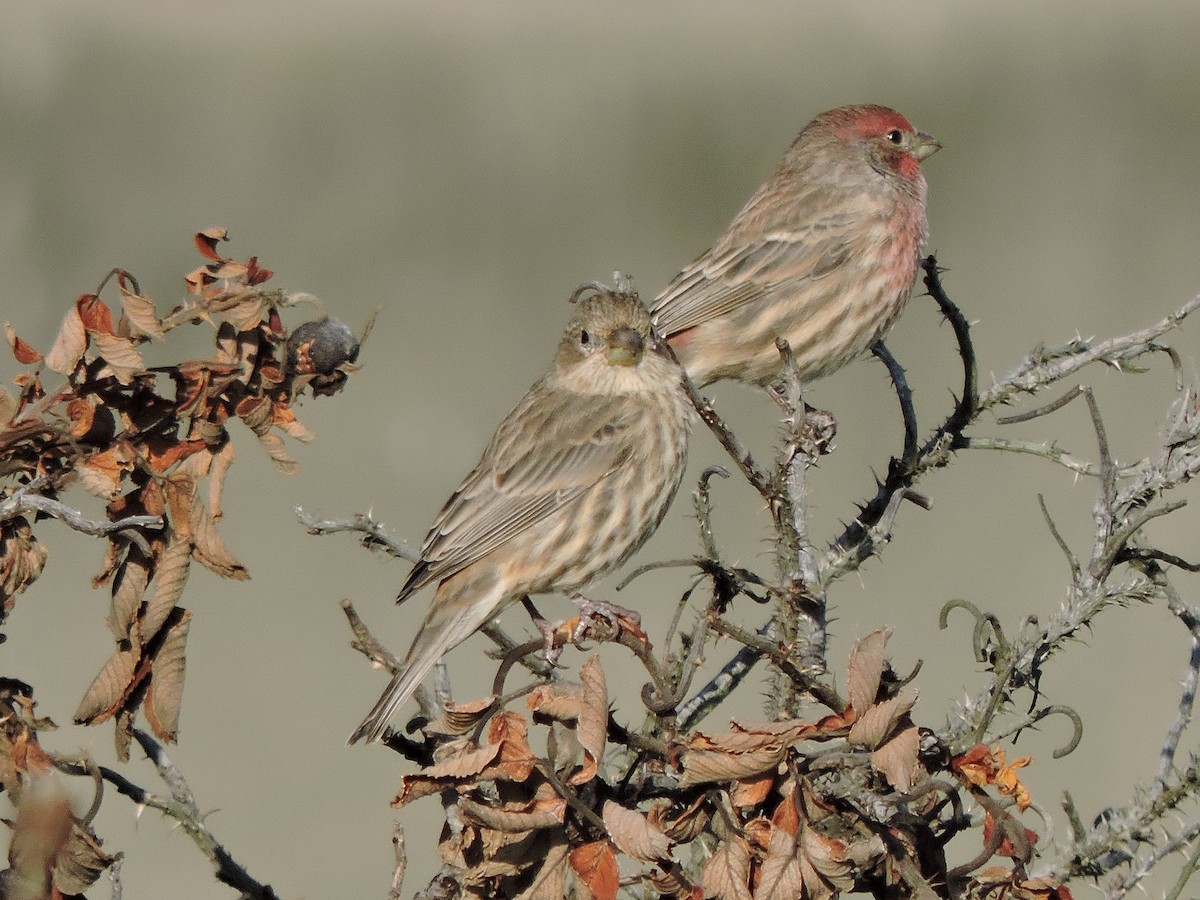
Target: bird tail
449 622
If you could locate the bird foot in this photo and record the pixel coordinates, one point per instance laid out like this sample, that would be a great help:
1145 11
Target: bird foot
591 612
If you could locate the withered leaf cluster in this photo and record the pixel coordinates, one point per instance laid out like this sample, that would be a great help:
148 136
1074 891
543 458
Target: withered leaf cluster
801 808
153 443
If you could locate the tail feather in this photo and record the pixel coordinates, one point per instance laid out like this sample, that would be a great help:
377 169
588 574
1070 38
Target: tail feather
448 623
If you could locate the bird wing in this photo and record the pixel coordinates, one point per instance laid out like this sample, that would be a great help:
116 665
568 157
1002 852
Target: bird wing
723 280
547 452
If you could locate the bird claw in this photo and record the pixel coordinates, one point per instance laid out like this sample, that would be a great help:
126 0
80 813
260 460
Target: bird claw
614 616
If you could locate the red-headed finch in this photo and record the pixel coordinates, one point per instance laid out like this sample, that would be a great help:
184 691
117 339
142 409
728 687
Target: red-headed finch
824 255
574 481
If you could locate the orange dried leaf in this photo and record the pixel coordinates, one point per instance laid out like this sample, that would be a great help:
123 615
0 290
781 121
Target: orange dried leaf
595 864
207 240
593 719
510 733
69 344
256 274
95 314
752 791
24 353
634 834
166 678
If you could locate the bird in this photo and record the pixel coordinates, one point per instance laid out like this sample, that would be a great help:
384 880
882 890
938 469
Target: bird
576 478
823 255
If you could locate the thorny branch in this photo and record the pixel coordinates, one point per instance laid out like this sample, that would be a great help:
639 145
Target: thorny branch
1128 497
180 806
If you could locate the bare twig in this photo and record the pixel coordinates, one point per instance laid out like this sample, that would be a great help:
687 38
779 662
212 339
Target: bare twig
374 535
401 862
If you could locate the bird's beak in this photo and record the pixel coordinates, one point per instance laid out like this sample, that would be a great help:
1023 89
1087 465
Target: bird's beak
625 347
927 145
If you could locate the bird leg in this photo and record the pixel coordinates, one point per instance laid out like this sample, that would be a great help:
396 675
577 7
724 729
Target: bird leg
546 629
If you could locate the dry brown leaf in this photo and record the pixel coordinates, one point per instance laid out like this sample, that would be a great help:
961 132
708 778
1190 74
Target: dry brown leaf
121 356
166 678
22 558
558 700
865 669
248 314
595 865
256 413
462 759
551 880
726 875
896 759
209 548
707 766
780 876
109 688
141 315
509 732
877 723
593 719
221 461
8 406
273 444
458 719
171 571
284 418
80 861
823 865
128 587
528 817
634 834
101 474
69 345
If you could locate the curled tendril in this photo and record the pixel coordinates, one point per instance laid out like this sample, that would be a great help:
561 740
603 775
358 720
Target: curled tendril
987 626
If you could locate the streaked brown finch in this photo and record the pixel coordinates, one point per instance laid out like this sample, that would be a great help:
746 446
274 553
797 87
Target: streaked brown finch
576 478
824 255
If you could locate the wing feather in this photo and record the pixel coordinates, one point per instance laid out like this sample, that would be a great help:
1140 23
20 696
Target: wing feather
546 453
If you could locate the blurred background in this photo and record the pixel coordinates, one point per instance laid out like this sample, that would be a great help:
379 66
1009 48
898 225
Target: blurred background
464 167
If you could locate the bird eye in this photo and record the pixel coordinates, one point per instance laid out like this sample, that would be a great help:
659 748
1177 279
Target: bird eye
895 136
585 339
